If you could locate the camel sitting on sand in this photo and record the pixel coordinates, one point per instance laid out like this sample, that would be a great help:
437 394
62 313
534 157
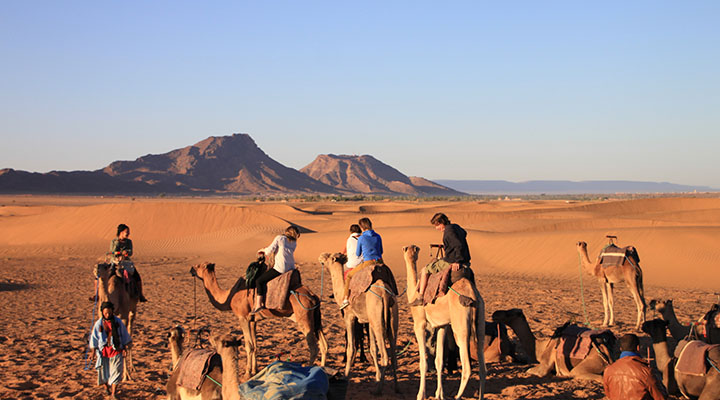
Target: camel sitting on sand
703 387
209 389
378 307
112 288
545 350
704 330
304 309
467 322
608 276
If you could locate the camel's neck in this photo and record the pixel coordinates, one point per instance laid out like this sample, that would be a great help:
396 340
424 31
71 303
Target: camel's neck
527 339
587 264
216 295
338 282
230 374
662 355
176 349
677 330
103 292
411 273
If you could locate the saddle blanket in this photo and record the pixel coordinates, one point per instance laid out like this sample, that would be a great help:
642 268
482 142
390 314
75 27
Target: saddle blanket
691 357
362 280
194 365
287 380
439 283
613 256
279 289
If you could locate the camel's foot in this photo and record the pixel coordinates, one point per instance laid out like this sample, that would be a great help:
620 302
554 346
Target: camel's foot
247 376
439 395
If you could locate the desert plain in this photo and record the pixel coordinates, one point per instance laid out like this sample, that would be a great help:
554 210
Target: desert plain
523 254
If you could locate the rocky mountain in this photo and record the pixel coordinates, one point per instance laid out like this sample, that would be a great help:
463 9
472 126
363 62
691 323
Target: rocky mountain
366 174
569 187
233 164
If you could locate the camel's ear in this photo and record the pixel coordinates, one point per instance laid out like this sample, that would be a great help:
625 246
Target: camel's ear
404 248
652 303
210 267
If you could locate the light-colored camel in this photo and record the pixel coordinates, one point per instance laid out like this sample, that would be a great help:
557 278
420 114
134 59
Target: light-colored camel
467 322
545 350
112 288
608 276
378 307
226 346
679 331
209 389
704 387
304 309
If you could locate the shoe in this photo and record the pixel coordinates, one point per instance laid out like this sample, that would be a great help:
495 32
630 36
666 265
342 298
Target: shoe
142 299
344 304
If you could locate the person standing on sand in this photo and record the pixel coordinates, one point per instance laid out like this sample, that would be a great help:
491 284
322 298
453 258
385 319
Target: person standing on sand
284 245
369 246
630 377
457 252
109 339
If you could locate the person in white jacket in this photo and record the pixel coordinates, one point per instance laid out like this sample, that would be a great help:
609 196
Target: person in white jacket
283 246
351 247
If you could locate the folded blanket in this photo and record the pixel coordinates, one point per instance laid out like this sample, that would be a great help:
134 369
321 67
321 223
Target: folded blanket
287 380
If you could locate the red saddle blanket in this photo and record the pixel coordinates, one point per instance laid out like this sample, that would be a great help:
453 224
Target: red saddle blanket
279 289
576 342
691 357
362 280
194 365
613 256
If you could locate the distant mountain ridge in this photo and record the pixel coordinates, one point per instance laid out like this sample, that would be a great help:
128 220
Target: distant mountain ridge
567 187
366 174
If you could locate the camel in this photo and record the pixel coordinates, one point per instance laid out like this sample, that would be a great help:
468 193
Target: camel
377 306
544 351
679 331
704 387
112 288
608 276
467 322
227 348
303 309
209 389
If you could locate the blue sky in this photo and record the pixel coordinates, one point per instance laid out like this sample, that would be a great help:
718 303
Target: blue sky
461 90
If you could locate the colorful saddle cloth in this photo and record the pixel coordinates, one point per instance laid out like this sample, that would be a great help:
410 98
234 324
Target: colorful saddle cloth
575 344
613 256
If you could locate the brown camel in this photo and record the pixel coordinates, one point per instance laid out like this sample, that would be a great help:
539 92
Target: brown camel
467 322
378 307
209 389
304 309
608 276
705 387
545 350
702 330
112 288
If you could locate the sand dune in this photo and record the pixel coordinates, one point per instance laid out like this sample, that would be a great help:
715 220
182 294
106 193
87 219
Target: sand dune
523 253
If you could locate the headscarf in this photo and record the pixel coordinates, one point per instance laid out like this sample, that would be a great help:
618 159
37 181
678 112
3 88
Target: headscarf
115 328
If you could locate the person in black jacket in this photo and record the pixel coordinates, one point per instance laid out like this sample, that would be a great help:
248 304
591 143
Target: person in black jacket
457 253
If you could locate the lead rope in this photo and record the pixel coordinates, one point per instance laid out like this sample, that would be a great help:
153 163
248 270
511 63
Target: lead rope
92 322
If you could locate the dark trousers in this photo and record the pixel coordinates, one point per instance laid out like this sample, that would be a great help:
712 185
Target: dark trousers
262 281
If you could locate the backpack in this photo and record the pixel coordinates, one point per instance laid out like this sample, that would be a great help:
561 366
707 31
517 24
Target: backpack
253 271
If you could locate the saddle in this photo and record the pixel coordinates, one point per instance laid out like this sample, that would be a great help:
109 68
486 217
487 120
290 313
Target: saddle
438 284
613 256
691 357
708 323
364 278
575 344
194 365
278 289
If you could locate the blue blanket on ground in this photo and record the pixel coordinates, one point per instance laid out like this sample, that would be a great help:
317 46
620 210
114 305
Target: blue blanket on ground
287 380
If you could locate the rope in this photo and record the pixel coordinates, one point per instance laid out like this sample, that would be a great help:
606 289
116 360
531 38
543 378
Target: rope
712 364
401 352
582 293
300 302
92 322
216 382
385 289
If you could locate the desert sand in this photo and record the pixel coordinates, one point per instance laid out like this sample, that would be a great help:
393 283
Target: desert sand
523 254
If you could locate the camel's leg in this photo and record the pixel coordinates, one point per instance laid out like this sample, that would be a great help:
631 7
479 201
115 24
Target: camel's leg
250 349
480 339
393 344
590 369
604 290
350 350
378 334
253 335
323 347
611 303
419 324
640 305
439 357
461 328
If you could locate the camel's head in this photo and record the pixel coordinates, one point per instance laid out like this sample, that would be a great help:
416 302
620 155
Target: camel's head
506 316
221 342
660 305
323 257
655 328
411 252
102 270
581 245
605 343
201 270
176 335
327 258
